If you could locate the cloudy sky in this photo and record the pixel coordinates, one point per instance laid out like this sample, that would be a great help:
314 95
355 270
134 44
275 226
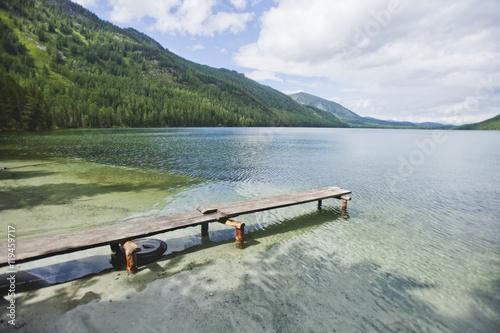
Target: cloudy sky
390 59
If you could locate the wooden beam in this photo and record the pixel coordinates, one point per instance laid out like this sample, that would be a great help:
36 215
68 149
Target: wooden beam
233 209
43 247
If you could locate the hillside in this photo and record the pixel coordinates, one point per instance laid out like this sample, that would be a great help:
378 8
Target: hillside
352 118
72 69
489 124
338 110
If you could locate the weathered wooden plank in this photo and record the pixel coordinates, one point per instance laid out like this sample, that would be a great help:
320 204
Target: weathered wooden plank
84 239
232 209
316 194
207 209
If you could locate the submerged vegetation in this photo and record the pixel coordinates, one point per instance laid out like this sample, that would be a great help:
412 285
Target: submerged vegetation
63 67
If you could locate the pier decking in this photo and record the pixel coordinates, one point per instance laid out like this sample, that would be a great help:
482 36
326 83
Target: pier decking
125 232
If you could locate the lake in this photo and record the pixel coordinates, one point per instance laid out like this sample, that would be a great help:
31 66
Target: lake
418 251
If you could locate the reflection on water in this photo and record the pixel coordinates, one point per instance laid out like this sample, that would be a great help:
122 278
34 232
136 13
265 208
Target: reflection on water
418 251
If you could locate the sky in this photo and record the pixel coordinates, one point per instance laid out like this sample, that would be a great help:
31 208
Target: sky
403 60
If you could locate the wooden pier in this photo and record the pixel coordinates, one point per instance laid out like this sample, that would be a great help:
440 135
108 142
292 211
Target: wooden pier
125 233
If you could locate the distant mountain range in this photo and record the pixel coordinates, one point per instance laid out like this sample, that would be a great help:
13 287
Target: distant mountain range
352 118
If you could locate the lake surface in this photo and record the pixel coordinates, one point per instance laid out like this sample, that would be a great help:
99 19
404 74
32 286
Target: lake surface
419 250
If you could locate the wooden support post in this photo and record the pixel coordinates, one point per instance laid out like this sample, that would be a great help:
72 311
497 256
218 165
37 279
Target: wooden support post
131 250
344 204
320 203
115 247
240 237
204 229
240 232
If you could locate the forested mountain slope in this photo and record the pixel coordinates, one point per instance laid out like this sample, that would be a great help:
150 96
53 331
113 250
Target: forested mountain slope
488 124
71 69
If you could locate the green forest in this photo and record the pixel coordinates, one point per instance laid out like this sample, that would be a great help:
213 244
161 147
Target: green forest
487 125
63 67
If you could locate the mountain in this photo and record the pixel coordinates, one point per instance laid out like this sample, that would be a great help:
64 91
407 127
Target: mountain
338 110
67 68
489 124
352 118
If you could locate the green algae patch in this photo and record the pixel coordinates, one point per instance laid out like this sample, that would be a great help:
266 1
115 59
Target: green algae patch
47 197
128 177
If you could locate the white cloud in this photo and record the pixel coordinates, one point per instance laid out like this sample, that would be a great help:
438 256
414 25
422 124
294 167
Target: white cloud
86 3
233 22
198 47
263 75
239 4
192 17
409 58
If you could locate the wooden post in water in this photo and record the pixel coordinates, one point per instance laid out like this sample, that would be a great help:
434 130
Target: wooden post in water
320 203
204 229
131 250
240 237
344 204
240 232
115 247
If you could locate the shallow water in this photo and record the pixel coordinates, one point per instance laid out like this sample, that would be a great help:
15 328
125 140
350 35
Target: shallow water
419 250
